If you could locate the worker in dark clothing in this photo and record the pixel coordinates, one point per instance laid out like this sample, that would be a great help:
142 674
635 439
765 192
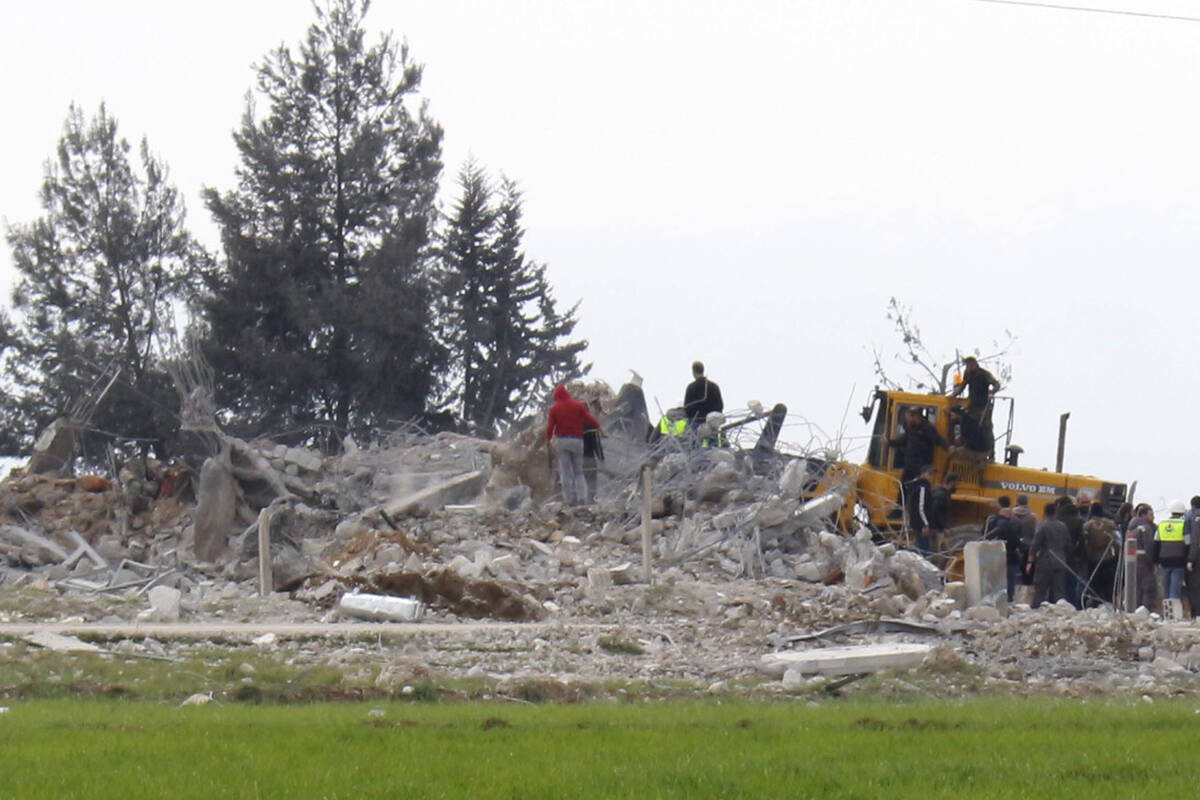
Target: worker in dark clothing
1004 503
1101 545
939 510
973 435
593 454
918 499
1048 559
917 443
980 385
1192 579
1024 517
701 397
1142 527
1001 527
1068 515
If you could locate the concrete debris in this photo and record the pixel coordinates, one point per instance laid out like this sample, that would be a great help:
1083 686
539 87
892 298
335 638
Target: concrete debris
985 565
61 644
216 507
165 604
456 489
847 660
449 530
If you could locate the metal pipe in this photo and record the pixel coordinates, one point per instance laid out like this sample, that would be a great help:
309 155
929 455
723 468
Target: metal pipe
1062 441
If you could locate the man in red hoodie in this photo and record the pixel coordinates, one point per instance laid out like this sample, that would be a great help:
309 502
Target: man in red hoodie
567 420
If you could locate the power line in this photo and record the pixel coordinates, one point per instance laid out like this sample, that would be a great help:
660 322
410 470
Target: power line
1093 10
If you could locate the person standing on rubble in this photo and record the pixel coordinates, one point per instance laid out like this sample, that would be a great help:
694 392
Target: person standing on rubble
567 420
701 398
593 454
1048 559
1143 529
1171 542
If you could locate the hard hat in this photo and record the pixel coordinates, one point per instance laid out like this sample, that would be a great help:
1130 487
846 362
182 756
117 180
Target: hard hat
1177 507
714 419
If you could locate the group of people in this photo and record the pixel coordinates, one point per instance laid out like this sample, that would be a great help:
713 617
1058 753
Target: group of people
700 417
576 434
1074 551
1071 553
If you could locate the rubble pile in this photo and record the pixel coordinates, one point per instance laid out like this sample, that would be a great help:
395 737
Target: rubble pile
744 560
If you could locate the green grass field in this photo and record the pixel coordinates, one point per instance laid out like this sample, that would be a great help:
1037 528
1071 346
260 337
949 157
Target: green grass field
985 747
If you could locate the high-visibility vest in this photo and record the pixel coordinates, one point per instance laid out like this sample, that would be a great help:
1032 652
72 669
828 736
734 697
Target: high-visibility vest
670 427
1171 530
1170 536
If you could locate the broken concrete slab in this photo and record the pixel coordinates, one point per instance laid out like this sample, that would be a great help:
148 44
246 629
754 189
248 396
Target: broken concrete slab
54 449
216 507
847 660
17 533
985 565
61 644
458 489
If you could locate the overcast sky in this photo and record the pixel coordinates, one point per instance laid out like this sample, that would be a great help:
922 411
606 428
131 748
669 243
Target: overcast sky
749 183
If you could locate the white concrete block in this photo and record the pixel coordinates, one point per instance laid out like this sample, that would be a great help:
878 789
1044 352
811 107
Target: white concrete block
847 660
985 567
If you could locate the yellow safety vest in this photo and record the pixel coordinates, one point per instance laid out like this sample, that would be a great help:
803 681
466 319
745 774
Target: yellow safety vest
669 427
1171 530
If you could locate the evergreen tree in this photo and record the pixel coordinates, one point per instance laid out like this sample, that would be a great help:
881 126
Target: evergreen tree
323 315
98 272
506 334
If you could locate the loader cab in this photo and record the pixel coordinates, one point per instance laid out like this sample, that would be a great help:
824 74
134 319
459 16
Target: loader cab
890 410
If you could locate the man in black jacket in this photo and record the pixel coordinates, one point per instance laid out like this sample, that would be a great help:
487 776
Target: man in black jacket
916 444
701 397
919 499
1003 528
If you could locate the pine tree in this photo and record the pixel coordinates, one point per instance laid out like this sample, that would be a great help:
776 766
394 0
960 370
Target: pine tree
323 315
506 335
98 272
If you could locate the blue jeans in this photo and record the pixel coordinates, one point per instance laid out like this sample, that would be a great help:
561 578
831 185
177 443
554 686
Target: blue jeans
1173 578
1014 579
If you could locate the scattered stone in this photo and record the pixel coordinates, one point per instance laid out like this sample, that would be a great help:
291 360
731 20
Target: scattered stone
165 603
